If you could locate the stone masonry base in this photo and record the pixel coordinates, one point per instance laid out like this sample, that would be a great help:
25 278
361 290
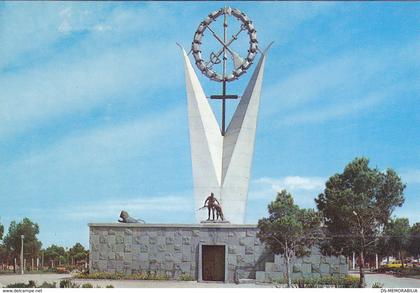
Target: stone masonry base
175 249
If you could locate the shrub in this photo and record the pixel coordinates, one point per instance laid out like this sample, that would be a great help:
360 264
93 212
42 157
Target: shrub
102 275
121 276
413 271
148 276
68 284
326 281
401 272
377 285
48 285
351 281
185 277
109 286
156 276
87 285
18 285
32 284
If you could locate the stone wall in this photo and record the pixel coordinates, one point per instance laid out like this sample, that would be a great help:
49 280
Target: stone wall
175 249
314 265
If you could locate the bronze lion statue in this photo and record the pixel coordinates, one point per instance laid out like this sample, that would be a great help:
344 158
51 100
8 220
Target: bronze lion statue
125 218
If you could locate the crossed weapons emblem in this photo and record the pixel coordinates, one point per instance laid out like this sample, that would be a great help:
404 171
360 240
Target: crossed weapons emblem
240 64
215 57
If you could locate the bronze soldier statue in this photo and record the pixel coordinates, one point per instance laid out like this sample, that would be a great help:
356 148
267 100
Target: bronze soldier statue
211 205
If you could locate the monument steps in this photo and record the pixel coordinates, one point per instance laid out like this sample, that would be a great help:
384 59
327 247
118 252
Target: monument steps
314 265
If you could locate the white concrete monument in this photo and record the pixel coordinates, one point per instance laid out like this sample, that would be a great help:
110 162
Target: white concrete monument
222 158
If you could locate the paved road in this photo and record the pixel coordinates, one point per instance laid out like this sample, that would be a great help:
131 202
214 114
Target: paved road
389 281
40 278
169 284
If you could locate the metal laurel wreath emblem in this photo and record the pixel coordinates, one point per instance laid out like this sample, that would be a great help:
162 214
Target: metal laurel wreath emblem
239 64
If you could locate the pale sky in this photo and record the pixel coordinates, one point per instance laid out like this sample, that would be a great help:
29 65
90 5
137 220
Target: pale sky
93 113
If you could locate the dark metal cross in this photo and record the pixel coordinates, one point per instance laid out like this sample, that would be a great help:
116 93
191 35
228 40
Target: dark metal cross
224 96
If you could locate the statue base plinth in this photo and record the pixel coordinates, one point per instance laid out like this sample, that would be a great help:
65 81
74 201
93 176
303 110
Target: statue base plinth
214 222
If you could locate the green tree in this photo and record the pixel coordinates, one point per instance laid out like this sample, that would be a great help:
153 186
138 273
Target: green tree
78 252
414 245
54 253
1 231
397 234
289 230
4 257
62 259
356 205
3 254
31 244
382 247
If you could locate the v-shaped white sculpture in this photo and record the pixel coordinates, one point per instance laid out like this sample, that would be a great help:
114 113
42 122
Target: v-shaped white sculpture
222 164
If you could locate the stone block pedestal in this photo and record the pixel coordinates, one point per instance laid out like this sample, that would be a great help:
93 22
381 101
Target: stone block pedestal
172 249
176 249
